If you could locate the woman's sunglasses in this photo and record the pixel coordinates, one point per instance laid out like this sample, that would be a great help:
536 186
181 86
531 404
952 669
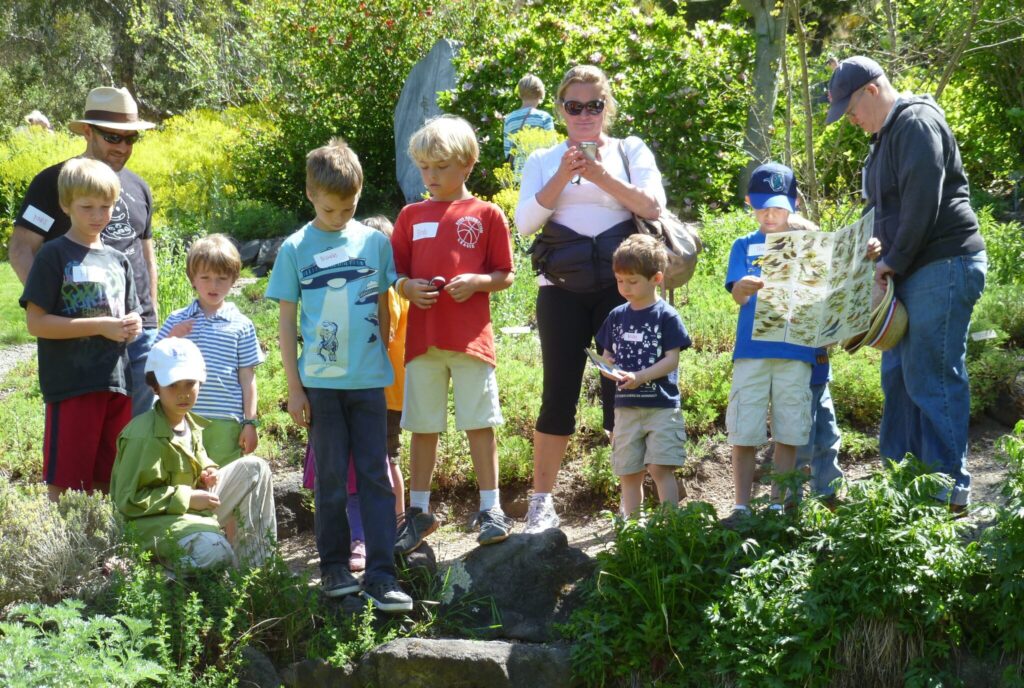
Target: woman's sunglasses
111 137
575 108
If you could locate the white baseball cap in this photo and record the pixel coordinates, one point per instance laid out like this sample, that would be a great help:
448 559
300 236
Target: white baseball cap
175 359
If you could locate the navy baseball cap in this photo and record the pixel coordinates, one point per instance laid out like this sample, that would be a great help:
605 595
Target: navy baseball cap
772 186
851 74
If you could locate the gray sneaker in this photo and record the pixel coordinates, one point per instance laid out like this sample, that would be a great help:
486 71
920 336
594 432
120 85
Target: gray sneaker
388 596
541 515
413 526
339 583
494 525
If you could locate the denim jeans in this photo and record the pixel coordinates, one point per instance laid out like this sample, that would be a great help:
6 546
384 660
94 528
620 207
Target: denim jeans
142 395
821 453
352 422
924 377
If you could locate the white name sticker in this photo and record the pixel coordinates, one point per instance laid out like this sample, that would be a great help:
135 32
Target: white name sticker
38 218
87 273
326 259
633 336
756 250
983 335
424 230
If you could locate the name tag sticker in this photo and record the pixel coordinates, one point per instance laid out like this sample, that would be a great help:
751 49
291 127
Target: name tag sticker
424 230
38 218
330 258
633 336
86 273
756 250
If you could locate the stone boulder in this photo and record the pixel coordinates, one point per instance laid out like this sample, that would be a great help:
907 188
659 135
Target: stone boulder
416 105
316 673
268 252
249 251
527 580
420 663
294 514
256 670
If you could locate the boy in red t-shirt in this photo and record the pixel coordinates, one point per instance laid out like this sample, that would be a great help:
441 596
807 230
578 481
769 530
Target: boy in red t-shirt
451 251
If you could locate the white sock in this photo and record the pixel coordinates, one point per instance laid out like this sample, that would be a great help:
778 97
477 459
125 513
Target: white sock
420 500
543 496
740 507
489 500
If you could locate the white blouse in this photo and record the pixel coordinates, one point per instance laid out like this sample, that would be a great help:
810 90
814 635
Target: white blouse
585 208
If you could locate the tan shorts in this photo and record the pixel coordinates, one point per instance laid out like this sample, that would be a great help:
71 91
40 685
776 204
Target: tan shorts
474 386
758 383
647 436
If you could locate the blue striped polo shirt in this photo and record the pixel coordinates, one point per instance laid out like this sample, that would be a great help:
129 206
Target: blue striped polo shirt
525 117
227 340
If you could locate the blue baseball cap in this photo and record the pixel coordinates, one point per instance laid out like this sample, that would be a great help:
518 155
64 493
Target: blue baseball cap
851 74
772 186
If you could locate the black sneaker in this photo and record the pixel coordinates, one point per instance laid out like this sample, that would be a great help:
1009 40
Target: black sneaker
413 526
739 519
494 525
388 596
339 583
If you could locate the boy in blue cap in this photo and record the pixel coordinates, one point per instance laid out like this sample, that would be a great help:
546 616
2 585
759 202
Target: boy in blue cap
765 374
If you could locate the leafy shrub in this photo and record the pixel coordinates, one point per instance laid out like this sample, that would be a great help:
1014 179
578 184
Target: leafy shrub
1004 244
50 646
49 551
247 219
857 387
990 373
704 381
682 90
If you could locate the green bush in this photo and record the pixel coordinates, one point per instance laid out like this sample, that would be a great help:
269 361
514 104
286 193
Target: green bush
1004 244
683 90
44 646
857 388
50 551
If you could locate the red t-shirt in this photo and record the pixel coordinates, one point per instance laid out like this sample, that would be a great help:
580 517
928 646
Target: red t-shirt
438 238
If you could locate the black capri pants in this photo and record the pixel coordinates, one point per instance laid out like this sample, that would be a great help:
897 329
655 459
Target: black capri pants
567 323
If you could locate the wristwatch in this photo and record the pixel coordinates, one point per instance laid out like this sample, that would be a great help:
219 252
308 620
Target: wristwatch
255 422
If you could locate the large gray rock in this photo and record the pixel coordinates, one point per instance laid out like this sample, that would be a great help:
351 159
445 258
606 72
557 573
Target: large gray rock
419 663
268 251
257 671
294 514
525 579
249 251
416 105
316 673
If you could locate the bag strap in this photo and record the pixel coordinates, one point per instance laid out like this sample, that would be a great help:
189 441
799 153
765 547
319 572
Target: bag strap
625 159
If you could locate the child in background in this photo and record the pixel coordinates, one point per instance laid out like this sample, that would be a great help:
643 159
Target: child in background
339 269
80 304
642 338
820 456
227 340
452 251
399 316
773 375
177 501
531 93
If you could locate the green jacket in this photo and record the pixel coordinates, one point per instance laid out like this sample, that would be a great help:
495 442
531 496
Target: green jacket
153 478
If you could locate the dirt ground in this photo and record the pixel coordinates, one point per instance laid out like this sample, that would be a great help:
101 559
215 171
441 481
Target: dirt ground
586 521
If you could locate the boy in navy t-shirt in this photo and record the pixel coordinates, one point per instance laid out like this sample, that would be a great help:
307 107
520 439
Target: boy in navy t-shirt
643 338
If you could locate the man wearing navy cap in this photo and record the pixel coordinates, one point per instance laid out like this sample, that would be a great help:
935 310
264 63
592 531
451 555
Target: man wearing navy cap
914 179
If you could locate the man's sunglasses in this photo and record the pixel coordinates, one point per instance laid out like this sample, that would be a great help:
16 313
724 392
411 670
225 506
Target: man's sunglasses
111 137
575 108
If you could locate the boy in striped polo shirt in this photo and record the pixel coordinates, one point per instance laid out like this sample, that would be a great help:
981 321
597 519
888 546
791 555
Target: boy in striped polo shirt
227 340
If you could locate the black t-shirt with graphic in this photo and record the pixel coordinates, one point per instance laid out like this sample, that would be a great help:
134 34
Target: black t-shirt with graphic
130 224
74 281
637 339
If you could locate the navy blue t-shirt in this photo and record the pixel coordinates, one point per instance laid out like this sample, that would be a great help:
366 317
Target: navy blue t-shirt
638 339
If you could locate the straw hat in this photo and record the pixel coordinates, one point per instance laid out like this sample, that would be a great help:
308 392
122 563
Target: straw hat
110 107
887 326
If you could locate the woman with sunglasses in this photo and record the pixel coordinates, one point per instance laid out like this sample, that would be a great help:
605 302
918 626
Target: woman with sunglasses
580 197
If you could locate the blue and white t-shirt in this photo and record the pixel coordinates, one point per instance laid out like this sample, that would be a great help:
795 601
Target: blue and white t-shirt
337 277
227 340
637 339
742 262
525 117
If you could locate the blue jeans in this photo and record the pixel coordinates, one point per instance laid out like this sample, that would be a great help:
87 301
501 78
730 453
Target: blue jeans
142 395
924 377
821 453
352 422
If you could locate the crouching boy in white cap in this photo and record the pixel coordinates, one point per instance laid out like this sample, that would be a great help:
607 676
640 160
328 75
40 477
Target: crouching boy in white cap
176 500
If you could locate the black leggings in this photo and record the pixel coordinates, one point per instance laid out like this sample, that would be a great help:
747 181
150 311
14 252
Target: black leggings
567 323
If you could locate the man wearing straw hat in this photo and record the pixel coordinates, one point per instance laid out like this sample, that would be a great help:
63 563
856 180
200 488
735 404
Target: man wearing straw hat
110 126
931 246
